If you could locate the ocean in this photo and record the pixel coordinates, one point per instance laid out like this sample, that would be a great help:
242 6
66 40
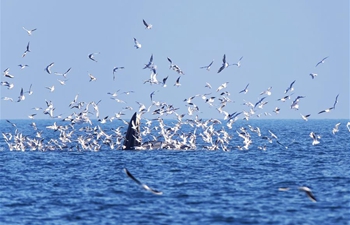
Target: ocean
66 184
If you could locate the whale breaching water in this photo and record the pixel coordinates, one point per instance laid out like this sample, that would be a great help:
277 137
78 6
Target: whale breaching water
132 137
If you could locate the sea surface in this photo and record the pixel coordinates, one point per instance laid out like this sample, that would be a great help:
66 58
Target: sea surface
201 186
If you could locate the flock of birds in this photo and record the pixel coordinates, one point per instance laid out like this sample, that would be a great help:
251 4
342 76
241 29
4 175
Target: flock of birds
77 131
214 133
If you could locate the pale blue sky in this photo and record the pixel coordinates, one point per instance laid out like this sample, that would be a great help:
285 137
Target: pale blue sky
280 41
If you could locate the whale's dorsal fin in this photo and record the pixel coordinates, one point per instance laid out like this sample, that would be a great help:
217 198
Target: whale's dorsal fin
132 137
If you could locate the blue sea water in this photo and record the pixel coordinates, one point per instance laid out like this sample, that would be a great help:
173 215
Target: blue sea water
72 186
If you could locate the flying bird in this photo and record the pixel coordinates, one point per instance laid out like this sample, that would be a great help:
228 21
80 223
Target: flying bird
48 68
64 74
322 61
290 88
245 90
313 75
336 128
115 70
146 187
29 32
164 81
23 66
92 56
21 96
336 101
148 26
224 64
52 88
27 50
308 193
149 64
238 64
305 117
92 78
177 84
137 44
208 66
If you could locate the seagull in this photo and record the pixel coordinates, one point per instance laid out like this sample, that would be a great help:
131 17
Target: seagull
62 82
304 189
222 86
308 193
92 78
29 31
137 44
313 75
208 66
267 92
21 96
238 64
326 110
207 85
64 74
27 50
7 99
92 56
48 68
290 88
305 117
141 184
336 101
336 128
164 81
7 84
315 138
245 90
149 65
224 64
151 95
30 92
177 84
148 26
22 66
115 70
51 88
7 74
322 61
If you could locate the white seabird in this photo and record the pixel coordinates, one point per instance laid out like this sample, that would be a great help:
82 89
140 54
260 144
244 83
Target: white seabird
65 73
208 66
21 96
29 32
92 78
322 61
308 193
26 51
137 44
92 56
245 90
313 75
141 184
224 64
290 88
147 25
115 70
336 128
48 68
305 117
238 64
150 63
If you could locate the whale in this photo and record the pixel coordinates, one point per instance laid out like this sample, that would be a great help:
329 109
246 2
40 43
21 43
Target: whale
133 139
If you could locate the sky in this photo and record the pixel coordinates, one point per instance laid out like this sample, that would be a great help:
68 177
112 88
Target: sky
280 42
